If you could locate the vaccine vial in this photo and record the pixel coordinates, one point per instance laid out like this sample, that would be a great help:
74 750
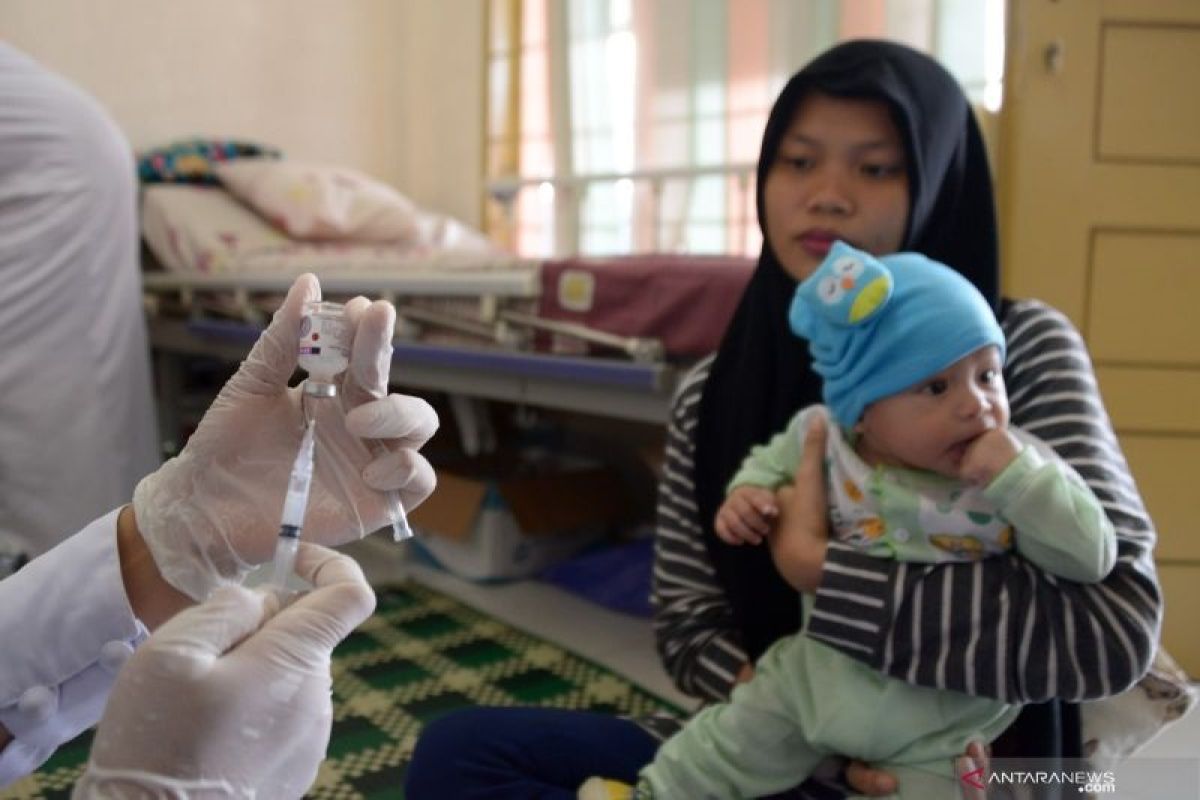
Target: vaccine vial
324 346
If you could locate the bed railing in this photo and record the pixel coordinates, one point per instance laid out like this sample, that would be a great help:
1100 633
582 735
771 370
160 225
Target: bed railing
571 192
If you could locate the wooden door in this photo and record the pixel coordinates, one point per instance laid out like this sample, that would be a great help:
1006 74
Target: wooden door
1100 210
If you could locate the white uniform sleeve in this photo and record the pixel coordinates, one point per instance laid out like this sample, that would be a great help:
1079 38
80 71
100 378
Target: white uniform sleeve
67 627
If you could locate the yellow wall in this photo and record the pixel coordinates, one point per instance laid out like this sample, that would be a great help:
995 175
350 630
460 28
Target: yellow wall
391 88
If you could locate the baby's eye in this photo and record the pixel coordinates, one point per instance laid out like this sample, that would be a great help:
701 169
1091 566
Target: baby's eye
934 387
987 377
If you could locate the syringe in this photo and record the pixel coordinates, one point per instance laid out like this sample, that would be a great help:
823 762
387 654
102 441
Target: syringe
294 505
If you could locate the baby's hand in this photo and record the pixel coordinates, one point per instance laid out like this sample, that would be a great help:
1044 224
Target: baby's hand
987 456
747 515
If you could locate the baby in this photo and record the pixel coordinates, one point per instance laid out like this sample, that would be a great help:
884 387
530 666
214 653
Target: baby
921 466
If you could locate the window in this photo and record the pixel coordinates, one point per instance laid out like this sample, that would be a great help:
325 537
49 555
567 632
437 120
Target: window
620 126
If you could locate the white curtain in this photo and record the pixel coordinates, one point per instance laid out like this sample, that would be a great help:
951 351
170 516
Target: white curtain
654 85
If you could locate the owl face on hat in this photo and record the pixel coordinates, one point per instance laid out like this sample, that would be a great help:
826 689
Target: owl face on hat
846 289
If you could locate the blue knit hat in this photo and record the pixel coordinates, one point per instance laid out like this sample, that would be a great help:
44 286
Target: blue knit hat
876 326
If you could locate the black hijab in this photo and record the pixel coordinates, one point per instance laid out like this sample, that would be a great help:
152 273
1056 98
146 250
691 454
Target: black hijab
762 374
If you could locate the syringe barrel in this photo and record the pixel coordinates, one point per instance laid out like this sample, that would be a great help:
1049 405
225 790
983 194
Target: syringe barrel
299 480
293 507
285 556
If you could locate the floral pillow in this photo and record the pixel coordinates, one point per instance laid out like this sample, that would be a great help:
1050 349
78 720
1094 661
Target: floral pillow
311 201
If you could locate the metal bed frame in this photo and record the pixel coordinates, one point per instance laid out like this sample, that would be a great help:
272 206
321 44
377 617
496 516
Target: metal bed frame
637 387
608 386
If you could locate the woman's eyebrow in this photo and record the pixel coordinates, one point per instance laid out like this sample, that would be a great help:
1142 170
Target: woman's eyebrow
876 144
856 147
800 138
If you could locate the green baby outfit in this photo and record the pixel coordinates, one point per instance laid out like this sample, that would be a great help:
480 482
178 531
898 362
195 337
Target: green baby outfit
808 701
889 512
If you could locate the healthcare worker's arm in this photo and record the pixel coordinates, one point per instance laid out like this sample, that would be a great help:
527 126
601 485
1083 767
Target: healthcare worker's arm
253 684
152 599
67 628
79 611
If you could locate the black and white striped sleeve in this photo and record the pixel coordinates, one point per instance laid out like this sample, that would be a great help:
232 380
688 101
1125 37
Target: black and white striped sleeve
693 623
1000 627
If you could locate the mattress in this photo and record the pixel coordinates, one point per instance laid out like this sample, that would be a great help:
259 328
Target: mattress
204 230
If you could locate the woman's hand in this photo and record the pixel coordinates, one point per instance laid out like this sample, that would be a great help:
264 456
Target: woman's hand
973 763
801 535
745 674
869 781
212 513
873 782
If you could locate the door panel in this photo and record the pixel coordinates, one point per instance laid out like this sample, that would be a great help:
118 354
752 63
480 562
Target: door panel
1142 297
1135 123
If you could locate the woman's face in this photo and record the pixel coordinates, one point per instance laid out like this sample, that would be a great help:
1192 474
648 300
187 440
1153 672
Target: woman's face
840 173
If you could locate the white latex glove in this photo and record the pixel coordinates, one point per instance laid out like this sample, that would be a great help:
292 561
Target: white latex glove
212 513
226 700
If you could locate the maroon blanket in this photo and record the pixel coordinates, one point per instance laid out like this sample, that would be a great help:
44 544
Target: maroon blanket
685 301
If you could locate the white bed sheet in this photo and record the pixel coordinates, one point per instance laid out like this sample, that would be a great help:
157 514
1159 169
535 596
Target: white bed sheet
204 230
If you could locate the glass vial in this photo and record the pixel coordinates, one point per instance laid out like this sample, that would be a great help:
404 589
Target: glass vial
324 346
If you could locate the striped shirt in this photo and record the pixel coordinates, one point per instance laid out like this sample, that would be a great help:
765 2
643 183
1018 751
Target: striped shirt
997 627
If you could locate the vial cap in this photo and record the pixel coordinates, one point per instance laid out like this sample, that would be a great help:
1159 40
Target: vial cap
320 388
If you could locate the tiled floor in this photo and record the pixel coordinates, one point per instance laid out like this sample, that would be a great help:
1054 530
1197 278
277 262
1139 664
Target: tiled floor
623 643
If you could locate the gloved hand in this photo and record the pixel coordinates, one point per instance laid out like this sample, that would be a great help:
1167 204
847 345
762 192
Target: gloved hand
211 513
226 700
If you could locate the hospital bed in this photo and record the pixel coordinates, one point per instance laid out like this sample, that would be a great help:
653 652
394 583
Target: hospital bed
607 336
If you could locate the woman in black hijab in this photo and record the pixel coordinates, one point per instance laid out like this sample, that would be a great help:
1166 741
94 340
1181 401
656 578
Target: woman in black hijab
718 607
762 375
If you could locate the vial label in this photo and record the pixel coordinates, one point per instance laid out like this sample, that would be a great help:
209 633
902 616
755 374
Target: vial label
323 350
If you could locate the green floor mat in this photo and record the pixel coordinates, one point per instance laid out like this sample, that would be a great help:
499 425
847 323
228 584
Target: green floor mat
419 656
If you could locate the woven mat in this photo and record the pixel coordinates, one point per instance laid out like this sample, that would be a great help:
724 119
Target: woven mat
419 656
